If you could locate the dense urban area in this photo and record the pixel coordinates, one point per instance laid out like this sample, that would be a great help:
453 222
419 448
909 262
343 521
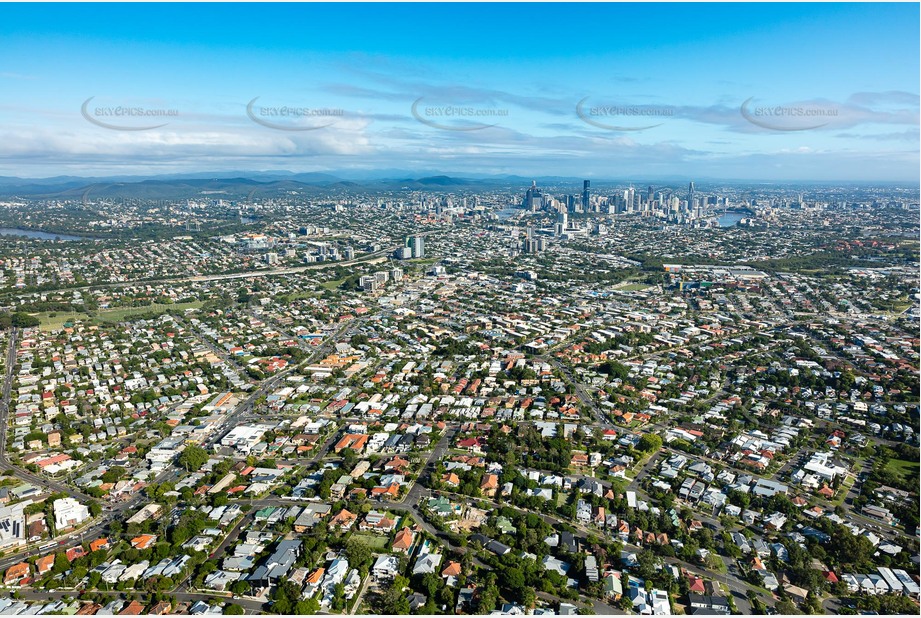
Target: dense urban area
451 397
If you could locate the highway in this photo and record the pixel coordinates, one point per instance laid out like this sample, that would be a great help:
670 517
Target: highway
376 256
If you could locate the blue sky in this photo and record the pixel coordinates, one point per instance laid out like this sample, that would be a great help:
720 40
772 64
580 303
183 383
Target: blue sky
618 91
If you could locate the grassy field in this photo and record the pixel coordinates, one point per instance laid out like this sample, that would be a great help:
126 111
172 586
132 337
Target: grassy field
109 315
59 319
901 467
332 285
844 489
374 541
634 287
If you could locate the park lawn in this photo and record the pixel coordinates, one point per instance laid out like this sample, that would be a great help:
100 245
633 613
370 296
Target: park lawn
116 315
900 467
111 315
635 287
332 285
302 295
49 323
374 541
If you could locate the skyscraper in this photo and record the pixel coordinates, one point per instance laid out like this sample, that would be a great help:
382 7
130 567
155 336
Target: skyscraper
691 195
585 195
416 245
533 198
562 223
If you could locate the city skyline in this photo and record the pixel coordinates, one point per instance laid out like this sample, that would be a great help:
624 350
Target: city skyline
395 309
601 92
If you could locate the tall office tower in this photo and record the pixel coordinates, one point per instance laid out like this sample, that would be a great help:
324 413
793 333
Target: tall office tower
650 195
571 203
561 223
530 243
533 198
631 198
416 246
691 195
368 283
585 195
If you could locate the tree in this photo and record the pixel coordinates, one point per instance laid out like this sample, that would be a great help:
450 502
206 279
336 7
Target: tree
20 319
349 459
308 607
232 609
646 563
488 599
528 598
358 553
649 443
614 369
787 607
239 587
113 474
514 579
431 582
849 548
286 597
193 458
393 600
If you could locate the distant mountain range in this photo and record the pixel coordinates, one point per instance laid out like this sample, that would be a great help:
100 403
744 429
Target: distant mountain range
244 184
275 183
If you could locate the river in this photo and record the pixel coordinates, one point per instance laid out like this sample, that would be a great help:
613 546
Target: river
37 234
729 219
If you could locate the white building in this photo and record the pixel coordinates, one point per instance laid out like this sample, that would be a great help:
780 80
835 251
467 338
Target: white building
69 513
12 525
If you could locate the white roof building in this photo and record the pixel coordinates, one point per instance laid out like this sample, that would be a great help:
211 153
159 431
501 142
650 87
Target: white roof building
69 513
